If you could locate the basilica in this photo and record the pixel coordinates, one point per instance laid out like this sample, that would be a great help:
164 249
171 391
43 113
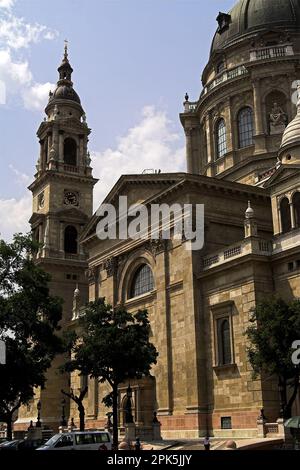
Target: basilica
243 164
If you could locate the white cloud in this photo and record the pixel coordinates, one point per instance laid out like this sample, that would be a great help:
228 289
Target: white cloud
16 33
15 75
36 96
14 216
151 144
21 178
7 4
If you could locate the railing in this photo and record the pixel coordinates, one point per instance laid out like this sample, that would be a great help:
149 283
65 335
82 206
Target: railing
251 245
210 261
237 250
190 107
224 77
71 168
271 52
271 428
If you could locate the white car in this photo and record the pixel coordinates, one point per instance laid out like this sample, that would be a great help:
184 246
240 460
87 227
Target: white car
79 440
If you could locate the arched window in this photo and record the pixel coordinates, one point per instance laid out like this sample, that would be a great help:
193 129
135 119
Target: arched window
221 138
70 152
220 66
224 346
71 240
142 281
285 215
296 207
245 127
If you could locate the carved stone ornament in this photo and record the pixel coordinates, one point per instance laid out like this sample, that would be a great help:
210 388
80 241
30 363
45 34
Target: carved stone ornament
111 266
157 246
91 274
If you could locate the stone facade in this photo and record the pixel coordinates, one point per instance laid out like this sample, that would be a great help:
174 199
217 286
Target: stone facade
199 302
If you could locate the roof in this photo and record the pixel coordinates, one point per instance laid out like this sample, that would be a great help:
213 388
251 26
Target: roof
249 17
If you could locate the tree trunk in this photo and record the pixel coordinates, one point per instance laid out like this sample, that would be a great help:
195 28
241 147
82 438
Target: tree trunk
283 397
81 416
115 417
292 399
9 427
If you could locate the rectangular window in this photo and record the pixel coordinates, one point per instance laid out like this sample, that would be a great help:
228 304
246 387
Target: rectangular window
224 341
291 266
226 422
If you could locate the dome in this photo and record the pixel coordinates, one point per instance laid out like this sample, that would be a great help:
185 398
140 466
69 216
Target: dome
249 212
248 17
65 92
291 134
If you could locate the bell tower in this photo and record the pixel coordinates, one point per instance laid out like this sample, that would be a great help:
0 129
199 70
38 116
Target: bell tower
62 193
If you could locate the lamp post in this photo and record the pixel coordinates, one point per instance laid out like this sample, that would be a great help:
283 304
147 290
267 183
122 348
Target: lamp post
39 407
63 416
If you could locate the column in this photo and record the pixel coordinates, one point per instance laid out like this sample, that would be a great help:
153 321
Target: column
49 144
41 162
61 238
55 142
189 149
209 139
61 146
257 107
81 150
259 136
293 221
279 218
138 406
229 127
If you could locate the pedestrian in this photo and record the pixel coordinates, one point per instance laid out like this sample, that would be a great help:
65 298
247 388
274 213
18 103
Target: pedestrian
137 445
207 443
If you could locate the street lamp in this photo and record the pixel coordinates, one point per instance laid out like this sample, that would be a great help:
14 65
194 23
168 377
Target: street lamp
63 416
38 423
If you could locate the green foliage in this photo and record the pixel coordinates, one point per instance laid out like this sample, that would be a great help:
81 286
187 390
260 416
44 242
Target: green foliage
29 317
114 345
275 326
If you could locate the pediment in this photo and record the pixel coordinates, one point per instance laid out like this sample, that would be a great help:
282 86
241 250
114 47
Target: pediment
138 189
283 173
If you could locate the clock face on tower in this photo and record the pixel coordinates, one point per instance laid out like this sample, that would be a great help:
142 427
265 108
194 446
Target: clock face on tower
71 198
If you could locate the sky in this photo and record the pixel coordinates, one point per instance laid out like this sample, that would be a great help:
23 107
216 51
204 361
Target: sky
133 62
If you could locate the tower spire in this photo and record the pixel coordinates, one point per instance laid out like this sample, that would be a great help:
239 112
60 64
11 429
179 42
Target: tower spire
66 50
65 70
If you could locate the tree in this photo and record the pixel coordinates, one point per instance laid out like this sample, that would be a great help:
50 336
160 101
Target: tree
112 346
275 327
78 399
29 319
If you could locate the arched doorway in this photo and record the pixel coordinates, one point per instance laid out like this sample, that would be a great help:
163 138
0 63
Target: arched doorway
285 215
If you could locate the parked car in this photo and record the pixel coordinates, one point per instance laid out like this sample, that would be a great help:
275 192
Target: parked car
79 440
21 444
10 445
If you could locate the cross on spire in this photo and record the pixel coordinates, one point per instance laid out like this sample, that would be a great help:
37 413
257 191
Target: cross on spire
66 49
